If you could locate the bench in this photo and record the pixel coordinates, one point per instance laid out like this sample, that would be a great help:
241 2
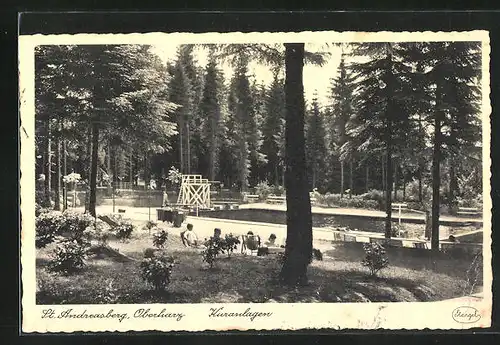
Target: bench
469 211
251 198
420 245
276 199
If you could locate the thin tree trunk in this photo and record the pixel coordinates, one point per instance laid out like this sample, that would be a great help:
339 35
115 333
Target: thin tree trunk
88 168
351 178
341 179
395 182
57 180
388 184
420 186
436 179
388 141
65 172
404 186
367 186
213 154
298 251
131 168
453 187
48 165
181 146
108 160
188 147
243 165
93 169
382 161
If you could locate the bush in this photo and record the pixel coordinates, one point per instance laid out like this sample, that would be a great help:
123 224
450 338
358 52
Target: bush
124 228
229 244
149 252
75 225
278 190
263 190
157 271
355 201
159 238
317 254
110 293
69 257
47 227
150 225
98 230
375 258
213 247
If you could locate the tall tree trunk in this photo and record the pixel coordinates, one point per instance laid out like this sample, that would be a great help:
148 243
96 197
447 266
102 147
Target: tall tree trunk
243 165
395 182
367 178
213 154
388 141
57 180
351 178
404 186
276 173
48 165
108 160
388 184
341 179
93 169
453 187
436 179
65 172
298 251
382 161
131 168
88 167
420 185
188 146
181 146
313 176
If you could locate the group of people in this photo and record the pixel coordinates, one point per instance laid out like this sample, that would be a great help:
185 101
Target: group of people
190 239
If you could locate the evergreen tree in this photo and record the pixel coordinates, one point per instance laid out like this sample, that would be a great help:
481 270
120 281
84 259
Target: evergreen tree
315 146
342 99
210 109
273 130
382 115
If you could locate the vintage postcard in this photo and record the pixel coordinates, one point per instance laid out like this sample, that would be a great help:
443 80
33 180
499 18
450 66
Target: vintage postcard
255 181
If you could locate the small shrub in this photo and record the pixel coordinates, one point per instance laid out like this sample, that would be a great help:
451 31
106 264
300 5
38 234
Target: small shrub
375 257
213 247
263 190
150 225
157 271
74 225
99 231
110 294
149 253
399 230
124 228
159 238
317 254
229 244
278 190
69 257
48 225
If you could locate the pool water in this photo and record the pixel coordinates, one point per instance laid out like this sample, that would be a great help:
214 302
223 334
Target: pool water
353 222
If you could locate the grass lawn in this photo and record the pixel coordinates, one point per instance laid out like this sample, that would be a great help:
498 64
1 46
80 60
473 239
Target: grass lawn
340 277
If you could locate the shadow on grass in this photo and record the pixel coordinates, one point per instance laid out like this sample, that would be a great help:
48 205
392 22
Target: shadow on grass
251 279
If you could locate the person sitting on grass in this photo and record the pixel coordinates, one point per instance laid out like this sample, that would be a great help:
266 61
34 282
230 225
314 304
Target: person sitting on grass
188 237
271 242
